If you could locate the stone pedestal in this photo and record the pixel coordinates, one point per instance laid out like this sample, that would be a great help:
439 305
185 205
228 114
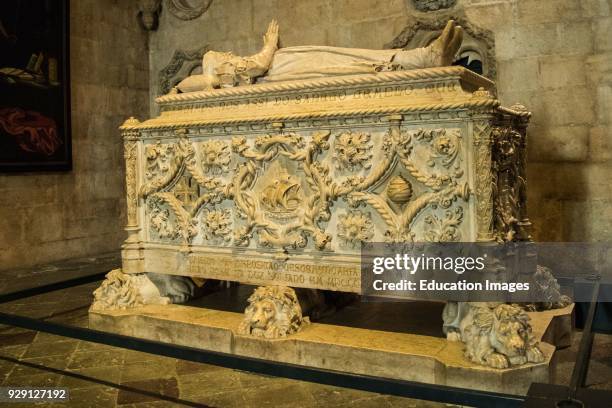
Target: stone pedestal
413 357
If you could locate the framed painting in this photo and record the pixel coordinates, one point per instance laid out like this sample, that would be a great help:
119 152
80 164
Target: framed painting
34 86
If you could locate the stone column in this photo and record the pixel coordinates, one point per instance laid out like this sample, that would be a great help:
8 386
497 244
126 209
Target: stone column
131 253
520 124
483 177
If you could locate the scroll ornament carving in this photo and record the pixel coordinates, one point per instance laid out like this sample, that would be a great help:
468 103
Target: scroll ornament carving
444 229
353 151
182 63
169 219
162 165
164 161
285 210
355 227
177 188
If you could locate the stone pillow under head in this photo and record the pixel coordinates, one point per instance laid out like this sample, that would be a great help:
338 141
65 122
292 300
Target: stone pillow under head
194 83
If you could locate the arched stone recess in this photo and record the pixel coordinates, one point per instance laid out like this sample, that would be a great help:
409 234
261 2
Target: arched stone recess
182 64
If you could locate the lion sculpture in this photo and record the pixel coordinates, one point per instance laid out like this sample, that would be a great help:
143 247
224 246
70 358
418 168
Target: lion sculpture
499 336
548 292
123 291
273 312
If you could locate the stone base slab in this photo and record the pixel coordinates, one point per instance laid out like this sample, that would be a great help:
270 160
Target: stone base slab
361 351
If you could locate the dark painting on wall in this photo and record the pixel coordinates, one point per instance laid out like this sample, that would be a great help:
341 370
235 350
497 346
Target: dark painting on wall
34 86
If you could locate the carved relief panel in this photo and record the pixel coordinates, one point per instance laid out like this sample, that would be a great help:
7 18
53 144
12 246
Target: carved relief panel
322 190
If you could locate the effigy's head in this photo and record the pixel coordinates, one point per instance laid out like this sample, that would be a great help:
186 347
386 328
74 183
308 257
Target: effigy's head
273 311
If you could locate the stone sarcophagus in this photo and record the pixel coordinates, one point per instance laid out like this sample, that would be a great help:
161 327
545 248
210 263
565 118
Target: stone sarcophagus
272 169
279 183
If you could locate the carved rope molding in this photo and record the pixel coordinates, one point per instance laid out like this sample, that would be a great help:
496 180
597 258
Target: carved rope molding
476 103
338 81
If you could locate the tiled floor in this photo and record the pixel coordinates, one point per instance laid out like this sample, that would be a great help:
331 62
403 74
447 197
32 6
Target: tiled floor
103 376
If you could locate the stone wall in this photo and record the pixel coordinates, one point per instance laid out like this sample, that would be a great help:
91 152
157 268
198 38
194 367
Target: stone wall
554 56
45 217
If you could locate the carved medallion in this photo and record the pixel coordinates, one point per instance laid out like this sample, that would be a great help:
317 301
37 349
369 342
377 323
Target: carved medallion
187 9
433 5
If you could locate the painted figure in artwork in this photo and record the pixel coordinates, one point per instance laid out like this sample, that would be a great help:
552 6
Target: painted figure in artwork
271 64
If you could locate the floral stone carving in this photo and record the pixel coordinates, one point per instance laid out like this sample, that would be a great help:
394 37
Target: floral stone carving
355 227
215 156
353 151
217 225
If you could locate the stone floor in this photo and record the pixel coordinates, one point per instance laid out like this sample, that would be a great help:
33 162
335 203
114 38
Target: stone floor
103 376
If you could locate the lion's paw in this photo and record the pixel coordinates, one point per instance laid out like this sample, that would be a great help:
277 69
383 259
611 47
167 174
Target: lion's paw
244 327
497 360
453 336
535 355
273 333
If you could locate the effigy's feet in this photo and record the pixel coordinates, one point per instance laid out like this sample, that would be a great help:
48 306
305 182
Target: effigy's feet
440 53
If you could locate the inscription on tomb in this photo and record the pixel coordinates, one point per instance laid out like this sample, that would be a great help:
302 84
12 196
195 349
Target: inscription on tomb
273 272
